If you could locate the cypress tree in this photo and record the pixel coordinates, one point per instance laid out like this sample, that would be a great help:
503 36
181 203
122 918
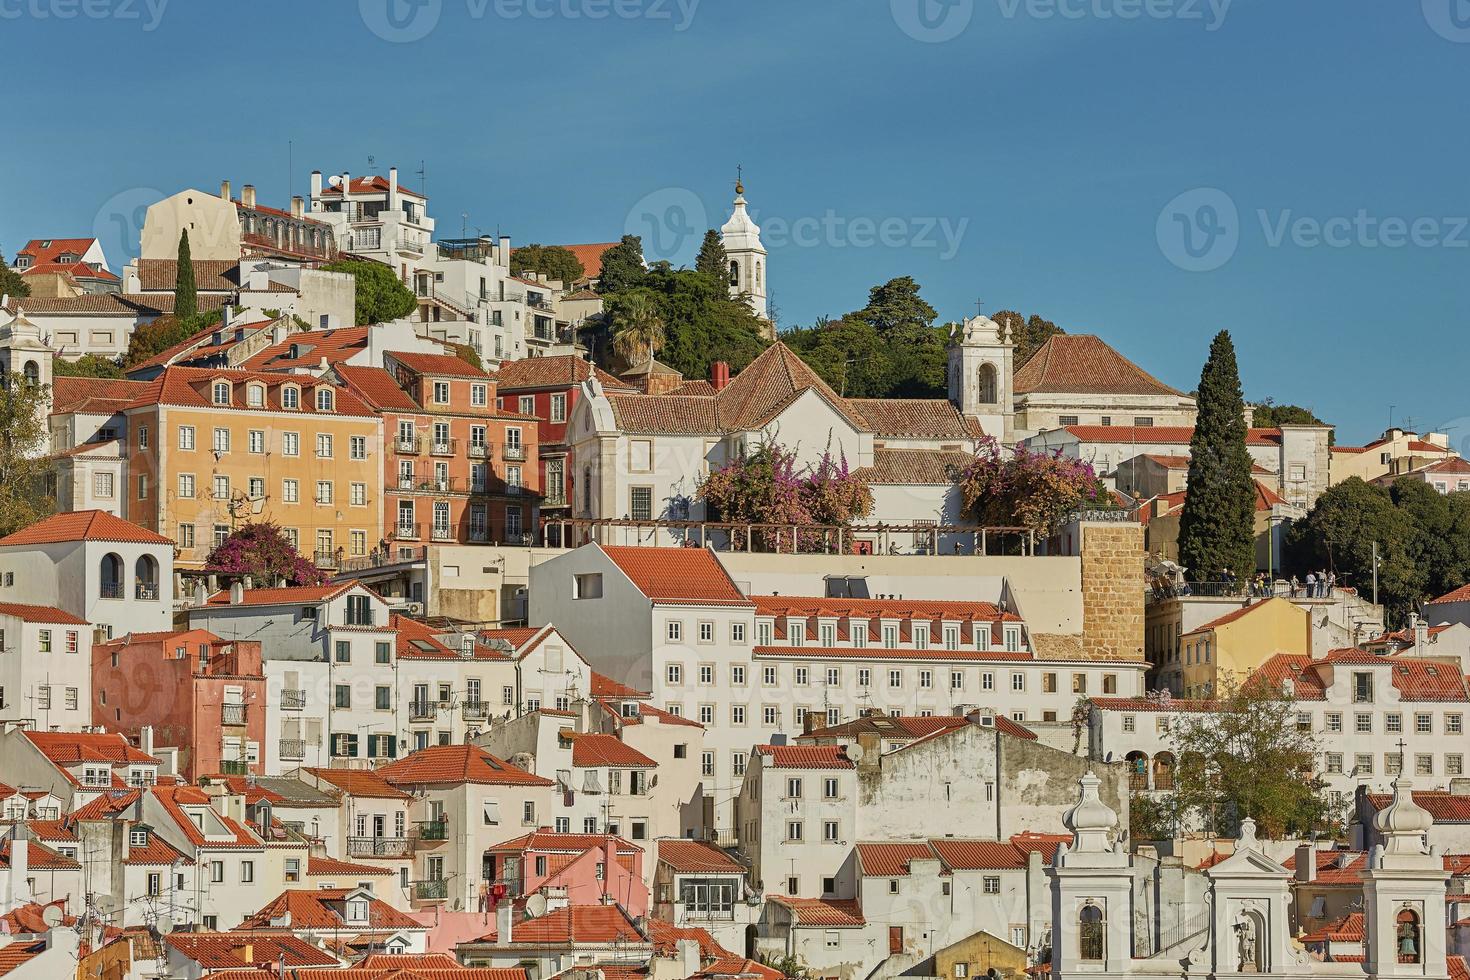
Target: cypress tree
1217 525
186 294
622 266
712 260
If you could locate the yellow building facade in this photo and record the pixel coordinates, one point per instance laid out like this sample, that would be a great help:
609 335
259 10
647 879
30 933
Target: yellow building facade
1239 642
213 450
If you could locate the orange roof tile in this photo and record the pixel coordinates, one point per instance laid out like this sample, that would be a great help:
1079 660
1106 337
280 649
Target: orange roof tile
605 687
173 799
93 396
559 371
690 575
50 249
320 909
192 387
891 860
911 466
331 866
934 418
547 840
439 365
363 783
39 614
595 751
1158 435
288 596
457 764
805 756
307 348
372 184
591 924
1085 364
822 912
68 748
83 525
695 857
223 950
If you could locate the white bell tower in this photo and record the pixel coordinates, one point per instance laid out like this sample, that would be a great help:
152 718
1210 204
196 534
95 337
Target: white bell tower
1404 893
981 364
1092 893
747 256
25 352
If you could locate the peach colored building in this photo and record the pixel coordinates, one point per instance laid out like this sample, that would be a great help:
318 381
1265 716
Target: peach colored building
201 694
210 450
595 869
456 468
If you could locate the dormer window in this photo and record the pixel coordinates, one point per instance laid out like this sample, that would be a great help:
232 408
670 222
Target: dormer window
255 396
324 399
221 393
138 838
357 910
290 397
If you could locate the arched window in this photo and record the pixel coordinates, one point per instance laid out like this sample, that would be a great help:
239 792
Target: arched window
32 372
758 273
290 396
988 388
1091 943
734 273
1410 940
255 396
324 399
587 491
145 583
111 579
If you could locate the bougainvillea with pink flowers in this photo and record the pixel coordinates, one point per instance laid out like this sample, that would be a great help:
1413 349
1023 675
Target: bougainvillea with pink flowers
1035 490
770 487
263 552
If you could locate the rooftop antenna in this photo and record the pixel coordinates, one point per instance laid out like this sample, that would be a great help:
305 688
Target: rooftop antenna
372 163
290 169
424 178
464 224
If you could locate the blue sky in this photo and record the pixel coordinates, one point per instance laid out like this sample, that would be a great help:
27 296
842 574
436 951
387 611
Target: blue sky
1147 170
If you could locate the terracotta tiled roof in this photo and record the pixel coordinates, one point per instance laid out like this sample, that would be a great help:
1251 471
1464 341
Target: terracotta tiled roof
980 855
331 866
289 596
909 466
438 365
1457 967
1458 467
69 748
590 256
156 852
1335 867
372 184
934 418
547 840
605 687
93 396
457 764
882 654
1462 594
698 387
362 783
72 270
1427 680
50 249
1229 617
102 303
1294 667
107 805
419 641
1348 929
17 954
222 950
377 387
738 966
822 912
83 525
889 726
666 414
39 614
311 346
1085 364
1442 806
1158 435
695 857
891 859
596 751
193 388
39 857
771 382
210 275
422 966
559 371
934 610
805 756
690 575
173 799
591 924
318 909
164 302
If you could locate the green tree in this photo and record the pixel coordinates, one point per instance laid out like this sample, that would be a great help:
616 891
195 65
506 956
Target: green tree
712 260
1027 334
469 355
87 366
1268 415
1245 757
637 327
12 283
1217 525
897 311
263 552
380 296
186 293
552 261
24 438
848 354
154 338
622 266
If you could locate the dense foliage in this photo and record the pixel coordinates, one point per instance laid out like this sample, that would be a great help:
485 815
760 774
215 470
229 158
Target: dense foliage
1034 490
263 552
888 349
622 266
1247 758
1026 333
1268 415
712 260
11 282
637 329
23 439
87 366
1217 525
380 296
552 261
154 338
1423 540
186 292
770 487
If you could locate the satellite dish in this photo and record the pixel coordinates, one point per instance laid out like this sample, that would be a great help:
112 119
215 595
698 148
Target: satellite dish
854 753
165 925
335 180
536 905
51 915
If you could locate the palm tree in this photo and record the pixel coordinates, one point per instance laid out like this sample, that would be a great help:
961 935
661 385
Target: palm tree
637 329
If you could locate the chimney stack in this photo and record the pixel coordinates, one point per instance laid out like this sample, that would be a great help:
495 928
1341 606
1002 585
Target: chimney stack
224 190
1306 862
394 204
237 593
504 923
346 191
247 195
316 184
298 206
145 739
689 962
719 374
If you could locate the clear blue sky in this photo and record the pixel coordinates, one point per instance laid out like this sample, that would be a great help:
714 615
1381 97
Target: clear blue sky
1045 138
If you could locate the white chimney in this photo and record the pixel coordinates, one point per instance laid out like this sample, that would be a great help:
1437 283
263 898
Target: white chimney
145 739
19 892
237 593
247 195
504 923
224 190
346 193
201 594
394 204
298 206
689 960
316 184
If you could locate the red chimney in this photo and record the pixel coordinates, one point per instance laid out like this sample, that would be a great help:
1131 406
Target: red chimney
719 374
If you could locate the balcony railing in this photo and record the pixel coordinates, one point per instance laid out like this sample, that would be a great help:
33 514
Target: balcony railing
293 699
442 533
409 247
411 445
382 847
444 447
476 710
146 590
433 830
111 590
422 710
407 532
433 890
234 767
327 559
232 714
293 749
480 450
513 453
407 481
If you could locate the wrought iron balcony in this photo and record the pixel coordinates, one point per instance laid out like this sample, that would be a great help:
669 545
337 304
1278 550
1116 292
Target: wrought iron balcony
410 445
407 532
433 890
444 447
381 847
422 710
433 830
232 714
513 453
476 710
146 590
293 699
480 450
292 749
111 590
